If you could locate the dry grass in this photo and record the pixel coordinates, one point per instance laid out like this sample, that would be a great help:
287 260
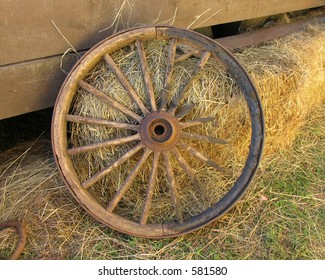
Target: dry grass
289 75
280 217
214 94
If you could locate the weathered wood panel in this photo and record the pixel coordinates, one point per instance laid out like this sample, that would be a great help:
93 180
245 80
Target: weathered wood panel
266 34
31 86
34 85
27 31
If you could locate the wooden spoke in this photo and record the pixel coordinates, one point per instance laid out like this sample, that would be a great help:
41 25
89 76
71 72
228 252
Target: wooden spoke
129 180
200 137
101 174
146 75
125 83
168 74
101 122
105 98
204 59
195 122
188 170
150 189
101 145
173 188
162 121
185 56
185 111
200 156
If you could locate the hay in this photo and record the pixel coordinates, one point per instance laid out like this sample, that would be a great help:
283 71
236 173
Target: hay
289 75
283 72
31 191
214 94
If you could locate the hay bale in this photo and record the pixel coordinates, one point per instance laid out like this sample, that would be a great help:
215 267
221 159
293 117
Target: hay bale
289 74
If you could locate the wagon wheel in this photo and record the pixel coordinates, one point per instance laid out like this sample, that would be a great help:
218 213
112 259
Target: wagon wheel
157 129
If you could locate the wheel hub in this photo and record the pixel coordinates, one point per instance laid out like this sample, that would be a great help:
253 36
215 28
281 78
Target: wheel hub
159 131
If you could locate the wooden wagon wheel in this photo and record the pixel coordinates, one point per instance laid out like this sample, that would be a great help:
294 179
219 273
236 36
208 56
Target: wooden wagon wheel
159 130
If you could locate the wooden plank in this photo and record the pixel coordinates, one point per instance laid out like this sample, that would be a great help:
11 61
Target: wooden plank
31 86
267 34
34 85
27 31
217 12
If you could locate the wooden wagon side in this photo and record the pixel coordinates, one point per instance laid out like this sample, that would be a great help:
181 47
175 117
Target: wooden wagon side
35 34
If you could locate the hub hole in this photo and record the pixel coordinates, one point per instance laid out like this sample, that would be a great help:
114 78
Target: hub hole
159 129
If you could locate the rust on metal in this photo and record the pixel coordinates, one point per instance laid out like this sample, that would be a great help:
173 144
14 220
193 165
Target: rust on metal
21 230
159 131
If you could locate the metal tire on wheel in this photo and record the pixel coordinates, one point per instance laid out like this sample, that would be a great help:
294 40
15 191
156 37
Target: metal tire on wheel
154 129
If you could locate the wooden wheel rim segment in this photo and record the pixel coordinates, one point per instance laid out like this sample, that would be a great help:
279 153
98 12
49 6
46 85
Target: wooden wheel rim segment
159 131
